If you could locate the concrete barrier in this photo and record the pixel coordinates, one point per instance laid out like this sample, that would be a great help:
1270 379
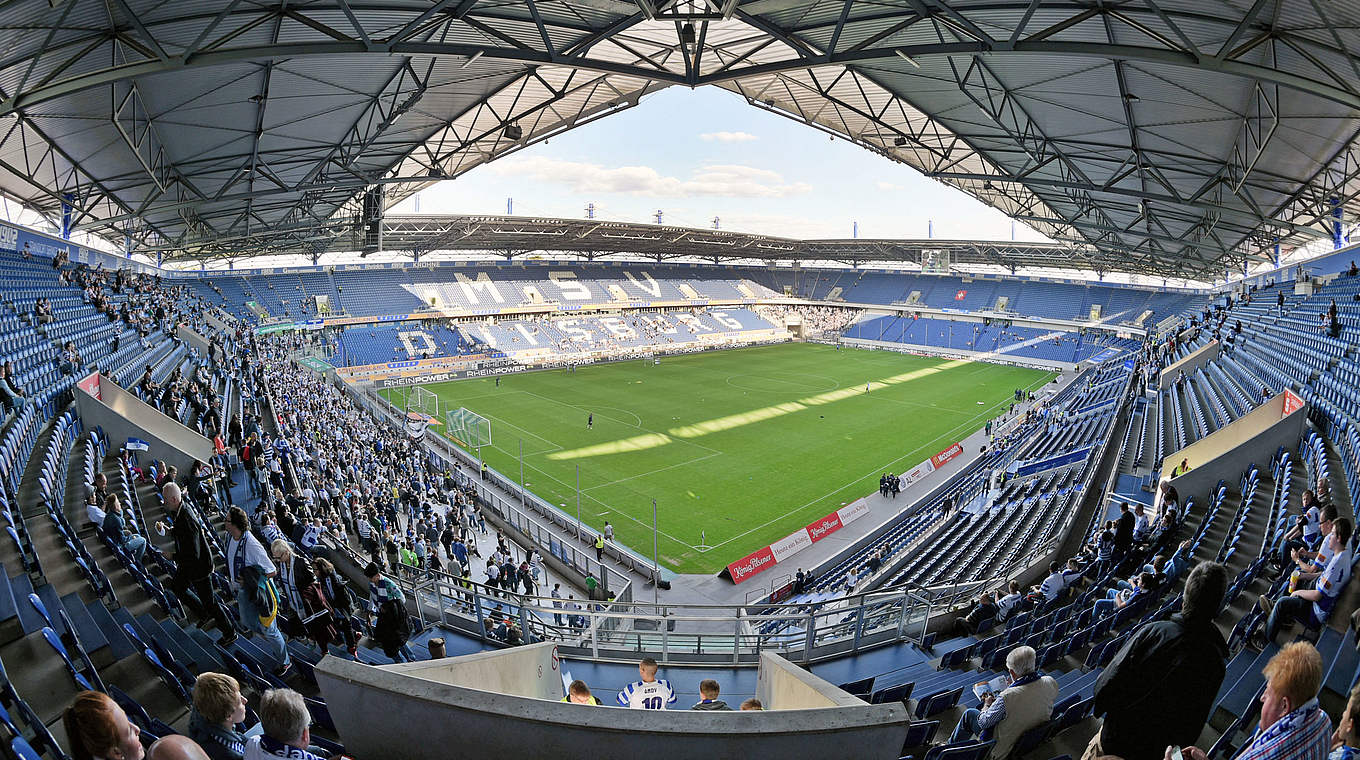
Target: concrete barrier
1197 358
192 339
527 671
1225 453
122 415
430 711
785 686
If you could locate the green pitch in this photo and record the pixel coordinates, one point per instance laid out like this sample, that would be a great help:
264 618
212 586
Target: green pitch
745 445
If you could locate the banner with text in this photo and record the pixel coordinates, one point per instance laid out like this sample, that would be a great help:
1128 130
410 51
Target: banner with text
942 458
795 542
930 465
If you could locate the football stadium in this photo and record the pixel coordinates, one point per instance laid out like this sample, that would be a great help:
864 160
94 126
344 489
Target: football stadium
605 379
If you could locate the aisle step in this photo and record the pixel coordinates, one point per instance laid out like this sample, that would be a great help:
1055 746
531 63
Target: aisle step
110 628
11 628
87 630
32 622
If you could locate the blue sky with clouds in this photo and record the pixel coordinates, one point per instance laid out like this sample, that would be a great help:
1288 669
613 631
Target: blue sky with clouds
697 154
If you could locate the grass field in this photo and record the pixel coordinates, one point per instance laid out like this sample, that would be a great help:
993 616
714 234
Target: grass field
745 445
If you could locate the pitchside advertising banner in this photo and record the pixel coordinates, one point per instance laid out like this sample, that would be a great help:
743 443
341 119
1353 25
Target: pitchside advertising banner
795 542
931 465
808 535
415 368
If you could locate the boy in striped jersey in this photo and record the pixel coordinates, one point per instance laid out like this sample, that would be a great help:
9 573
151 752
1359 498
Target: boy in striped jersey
649 693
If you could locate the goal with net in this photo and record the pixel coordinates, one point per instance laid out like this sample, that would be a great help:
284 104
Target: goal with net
422 401
468 428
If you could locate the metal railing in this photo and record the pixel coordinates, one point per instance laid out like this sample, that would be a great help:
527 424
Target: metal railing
623 629
694 634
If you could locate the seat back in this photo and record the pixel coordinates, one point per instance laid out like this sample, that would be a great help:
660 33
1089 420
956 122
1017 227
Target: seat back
135 712
860 688
42 740
21 749
919 734
938 702
968 750
1073 715
41 608
1030 739
54 641
892 694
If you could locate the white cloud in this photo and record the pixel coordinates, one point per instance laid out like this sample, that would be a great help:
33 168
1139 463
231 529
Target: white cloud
887 186
720 180
728 137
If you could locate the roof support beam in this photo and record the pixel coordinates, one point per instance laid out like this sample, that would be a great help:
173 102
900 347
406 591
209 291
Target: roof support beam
1333 90
1150 196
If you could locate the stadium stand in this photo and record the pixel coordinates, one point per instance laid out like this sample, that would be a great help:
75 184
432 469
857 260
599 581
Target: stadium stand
82 612
1003 342
563 336
380 292
388 291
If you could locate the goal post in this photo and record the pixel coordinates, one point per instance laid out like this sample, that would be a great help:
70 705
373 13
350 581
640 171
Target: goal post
468 428
423 401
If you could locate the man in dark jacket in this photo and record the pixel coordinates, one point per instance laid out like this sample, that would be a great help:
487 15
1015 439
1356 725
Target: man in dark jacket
1160 687
192 581
1123 532
983 609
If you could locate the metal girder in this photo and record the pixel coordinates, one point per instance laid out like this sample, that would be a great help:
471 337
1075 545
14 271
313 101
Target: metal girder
1210 205
1335 90
427 233
1130 203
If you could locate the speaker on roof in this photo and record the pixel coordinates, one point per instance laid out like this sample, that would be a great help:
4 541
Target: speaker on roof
372 220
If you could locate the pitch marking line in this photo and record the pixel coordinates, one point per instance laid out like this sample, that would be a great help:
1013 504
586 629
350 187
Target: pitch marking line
551 445
608 508
763 378
786 515
653 472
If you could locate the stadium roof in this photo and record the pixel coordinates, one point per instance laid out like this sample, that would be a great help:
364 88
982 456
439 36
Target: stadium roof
516 236
1153 136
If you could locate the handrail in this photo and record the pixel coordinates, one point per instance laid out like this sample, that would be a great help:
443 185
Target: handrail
699 634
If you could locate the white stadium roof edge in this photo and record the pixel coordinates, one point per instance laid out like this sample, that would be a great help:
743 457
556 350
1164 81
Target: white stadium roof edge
1161 137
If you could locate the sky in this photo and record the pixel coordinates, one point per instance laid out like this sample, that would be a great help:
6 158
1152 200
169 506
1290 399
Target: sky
704 153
